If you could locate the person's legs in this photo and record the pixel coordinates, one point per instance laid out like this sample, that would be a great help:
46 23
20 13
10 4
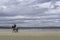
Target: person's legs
17 29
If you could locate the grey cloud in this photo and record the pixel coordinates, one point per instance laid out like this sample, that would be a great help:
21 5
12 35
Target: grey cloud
13 9
42 1
25 8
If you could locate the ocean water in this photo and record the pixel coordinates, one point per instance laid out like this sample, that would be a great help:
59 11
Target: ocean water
29 30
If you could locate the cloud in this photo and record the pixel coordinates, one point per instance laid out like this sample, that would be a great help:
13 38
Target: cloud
28 12
54 9
30 21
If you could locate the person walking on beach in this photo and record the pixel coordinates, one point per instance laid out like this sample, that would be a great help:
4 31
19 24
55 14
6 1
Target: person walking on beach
15 29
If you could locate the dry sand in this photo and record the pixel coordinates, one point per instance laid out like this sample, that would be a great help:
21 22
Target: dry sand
30 36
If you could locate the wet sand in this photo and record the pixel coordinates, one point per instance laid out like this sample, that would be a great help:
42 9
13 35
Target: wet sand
30 36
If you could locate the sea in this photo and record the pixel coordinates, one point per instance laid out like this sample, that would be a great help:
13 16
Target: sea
29 30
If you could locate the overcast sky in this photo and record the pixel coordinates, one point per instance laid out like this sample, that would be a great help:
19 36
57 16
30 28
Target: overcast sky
30 13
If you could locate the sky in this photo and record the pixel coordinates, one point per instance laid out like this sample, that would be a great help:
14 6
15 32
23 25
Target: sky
30 13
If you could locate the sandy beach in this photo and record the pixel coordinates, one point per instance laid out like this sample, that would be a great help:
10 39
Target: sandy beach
30 36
